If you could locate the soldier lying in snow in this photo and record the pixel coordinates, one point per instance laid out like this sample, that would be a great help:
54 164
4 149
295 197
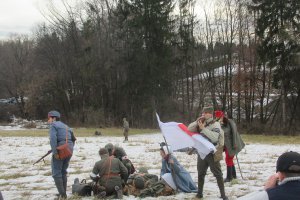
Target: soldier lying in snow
143 185
139 181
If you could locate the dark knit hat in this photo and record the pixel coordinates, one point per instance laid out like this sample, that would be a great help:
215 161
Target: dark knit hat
139 182
208 109
109 146
54 113
288 162
103 151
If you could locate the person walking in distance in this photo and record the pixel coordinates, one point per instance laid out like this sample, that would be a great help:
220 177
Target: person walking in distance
233 143
59 134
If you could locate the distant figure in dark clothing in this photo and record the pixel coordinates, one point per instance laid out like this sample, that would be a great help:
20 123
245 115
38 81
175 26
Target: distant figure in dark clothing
126 129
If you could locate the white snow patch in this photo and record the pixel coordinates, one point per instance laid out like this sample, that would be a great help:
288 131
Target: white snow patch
20 179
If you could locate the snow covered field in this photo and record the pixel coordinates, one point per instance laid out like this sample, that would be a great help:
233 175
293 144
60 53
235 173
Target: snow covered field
20 179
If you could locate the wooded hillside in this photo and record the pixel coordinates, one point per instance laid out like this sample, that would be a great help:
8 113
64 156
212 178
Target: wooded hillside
106 60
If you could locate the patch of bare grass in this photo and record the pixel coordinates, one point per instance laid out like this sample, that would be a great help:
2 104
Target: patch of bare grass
26 194
14 176
252 177
49 173
79 132
271 139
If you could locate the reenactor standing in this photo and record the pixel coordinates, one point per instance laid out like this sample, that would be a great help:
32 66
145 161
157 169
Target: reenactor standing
59 134
210 129
126 129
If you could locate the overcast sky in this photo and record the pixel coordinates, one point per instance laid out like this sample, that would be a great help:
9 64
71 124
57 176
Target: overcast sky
18 16
21 16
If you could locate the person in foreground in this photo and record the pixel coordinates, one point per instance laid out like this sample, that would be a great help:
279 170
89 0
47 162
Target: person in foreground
182 178
109 175
210 129
172 177
284 184
59 134
119 152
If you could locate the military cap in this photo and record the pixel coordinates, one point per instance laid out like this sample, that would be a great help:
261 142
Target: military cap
54 113
208 109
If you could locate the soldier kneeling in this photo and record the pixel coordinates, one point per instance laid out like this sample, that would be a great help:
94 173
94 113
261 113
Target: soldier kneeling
109 175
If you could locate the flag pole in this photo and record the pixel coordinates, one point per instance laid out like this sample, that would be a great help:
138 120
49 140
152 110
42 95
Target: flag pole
171 165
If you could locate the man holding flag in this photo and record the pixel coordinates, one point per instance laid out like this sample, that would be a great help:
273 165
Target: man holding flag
210 129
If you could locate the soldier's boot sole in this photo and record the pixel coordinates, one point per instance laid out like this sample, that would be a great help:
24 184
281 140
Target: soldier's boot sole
119 192
101 195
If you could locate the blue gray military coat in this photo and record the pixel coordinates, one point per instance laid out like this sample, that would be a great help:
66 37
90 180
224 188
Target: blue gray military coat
57 134
183 179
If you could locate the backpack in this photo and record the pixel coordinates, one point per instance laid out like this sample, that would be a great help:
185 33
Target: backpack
82 188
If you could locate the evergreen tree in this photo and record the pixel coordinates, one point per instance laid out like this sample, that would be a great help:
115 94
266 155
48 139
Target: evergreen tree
278 27
149 33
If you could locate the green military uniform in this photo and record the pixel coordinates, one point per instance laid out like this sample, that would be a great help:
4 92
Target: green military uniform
233 145
160 188
111 172
126 128
120 153
213 132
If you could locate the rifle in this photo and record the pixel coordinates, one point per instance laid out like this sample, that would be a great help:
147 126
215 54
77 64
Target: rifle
42 158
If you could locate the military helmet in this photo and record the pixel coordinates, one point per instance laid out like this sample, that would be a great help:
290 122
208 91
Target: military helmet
139 182
143 170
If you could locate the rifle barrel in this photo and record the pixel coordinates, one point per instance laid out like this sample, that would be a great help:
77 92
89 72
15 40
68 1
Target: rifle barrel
43 157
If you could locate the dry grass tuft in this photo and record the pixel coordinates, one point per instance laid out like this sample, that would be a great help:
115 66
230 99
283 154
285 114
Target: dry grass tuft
14 176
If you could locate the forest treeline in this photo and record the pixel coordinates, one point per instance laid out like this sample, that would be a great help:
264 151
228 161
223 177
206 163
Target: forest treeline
104 60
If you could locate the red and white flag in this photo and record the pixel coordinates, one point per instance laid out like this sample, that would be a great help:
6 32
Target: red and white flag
178 137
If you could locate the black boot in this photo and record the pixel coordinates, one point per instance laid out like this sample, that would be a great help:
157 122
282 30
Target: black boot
200 187
65 182
229 174
222 188
119 192
60 188
233 172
